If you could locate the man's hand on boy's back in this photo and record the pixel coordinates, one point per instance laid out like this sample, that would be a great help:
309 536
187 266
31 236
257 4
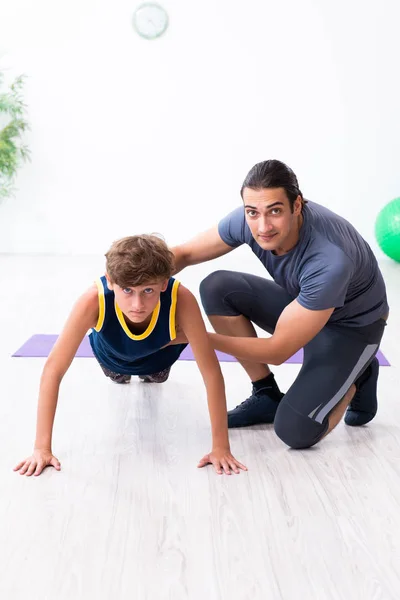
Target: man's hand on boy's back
37 462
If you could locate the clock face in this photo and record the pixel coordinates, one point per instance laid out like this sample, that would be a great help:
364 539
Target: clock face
150 20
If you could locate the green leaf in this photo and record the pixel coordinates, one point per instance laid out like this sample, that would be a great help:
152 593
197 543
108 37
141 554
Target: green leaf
12 150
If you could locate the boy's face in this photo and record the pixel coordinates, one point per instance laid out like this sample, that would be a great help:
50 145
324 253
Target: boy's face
138 302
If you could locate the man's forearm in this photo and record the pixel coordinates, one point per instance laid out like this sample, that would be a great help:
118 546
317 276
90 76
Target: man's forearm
260 350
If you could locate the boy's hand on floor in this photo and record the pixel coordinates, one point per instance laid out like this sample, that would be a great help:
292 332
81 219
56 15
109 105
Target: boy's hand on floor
34 465
222 461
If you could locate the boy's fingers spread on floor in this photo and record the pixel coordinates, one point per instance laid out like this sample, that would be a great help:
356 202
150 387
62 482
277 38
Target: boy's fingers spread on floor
226 467
204 461
19 465
217 468
39 468
25 467
55 463
32 468
240 466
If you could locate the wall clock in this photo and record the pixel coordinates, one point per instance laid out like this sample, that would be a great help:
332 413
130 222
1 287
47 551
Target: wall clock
150 20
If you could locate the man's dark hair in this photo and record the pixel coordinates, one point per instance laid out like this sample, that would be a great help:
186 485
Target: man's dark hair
273 174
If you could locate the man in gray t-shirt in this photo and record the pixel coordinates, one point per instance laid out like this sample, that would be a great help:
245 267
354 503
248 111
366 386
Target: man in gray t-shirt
326 295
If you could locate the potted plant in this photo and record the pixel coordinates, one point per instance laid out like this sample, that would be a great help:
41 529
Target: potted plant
13 125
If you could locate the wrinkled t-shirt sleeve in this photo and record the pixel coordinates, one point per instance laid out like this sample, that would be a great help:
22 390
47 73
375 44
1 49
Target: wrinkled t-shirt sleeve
232 228
324 285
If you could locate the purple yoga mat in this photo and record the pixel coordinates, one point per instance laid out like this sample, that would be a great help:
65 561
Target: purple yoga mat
41 344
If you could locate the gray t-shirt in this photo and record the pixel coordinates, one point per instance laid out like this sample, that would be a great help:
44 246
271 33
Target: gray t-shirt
330 266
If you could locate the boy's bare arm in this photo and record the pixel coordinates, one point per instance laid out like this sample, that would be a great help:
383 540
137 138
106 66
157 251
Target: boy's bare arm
83 316
192 324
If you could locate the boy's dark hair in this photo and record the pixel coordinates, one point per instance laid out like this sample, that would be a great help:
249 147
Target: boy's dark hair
273 174
139 259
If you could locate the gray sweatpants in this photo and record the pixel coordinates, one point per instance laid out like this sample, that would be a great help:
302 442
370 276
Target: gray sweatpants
333 360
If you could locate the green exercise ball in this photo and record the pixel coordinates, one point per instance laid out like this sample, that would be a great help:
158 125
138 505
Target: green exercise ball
387 229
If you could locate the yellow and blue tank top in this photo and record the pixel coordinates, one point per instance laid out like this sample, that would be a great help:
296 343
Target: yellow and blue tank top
122 351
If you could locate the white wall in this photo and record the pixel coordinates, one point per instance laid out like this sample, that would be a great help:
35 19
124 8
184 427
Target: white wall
131 135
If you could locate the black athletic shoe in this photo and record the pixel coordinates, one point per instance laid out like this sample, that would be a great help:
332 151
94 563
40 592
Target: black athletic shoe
156 377
260 407
364 405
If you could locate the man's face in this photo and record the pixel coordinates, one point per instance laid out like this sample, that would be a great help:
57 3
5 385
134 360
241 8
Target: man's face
272 223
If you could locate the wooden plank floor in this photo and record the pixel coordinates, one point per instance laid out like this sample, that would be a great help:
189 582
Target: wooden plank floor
131 517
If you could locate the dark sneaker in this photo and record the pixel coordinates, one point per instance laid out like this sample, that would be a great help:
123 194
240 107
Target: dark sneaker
364 405
258 408
119 378
156 377
115 377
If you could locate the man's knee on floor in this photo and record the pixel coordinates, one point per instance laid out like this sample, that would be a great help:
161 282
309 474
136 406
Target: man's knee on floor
295 429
